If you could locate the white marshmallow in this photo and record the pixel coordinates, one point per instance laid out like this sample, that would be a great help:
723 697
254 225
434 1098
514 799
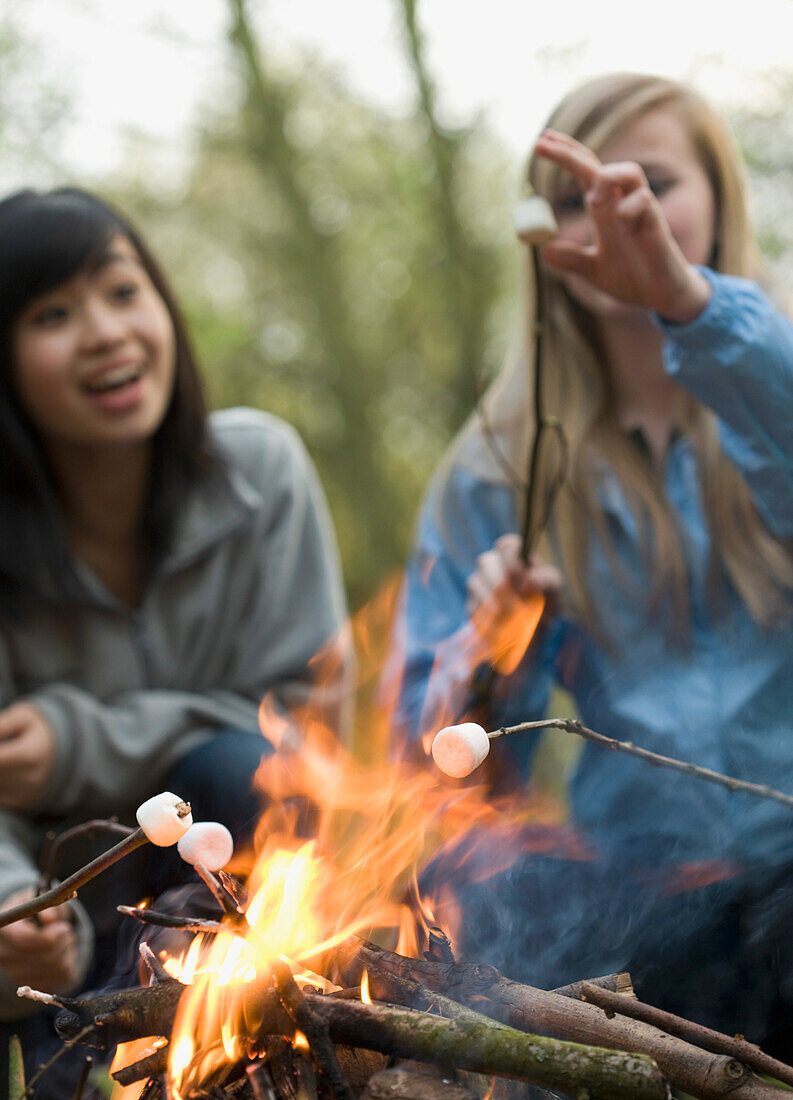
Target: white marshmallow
533 220
458 750
160 821
207 842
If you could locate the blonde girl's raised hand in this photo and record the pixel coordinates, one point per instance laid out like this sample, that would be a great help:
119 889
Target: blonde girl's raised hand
633 256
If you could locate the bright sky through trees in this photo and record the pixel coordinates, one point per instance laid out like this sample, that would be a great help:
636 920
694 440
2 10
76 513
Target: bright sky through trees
151 67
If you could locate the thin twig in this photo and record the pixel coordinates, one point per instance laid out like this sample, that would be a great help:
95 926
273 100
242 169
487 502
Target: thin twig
222 896
748 1053
66 890
157 970
572 725
83 1078
168 920
150 1065
34 1080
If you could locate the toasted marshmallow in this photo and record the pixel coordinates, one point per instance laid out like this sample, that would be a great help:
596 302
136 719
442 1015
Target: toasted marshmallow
164 818
207 842
458 750
533 220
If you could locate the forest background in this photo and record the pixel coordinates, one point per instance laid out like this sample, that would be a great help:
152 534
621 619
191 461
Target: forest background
344 264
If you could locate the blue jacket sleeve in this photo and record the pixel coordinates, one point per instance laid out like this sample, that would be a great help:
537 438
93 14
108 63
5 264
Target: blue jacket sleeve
737 358
461 517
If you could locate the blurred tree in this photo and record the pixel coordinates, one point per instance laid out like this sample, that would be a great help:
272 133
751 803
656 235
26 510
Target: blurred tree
32 111
344 269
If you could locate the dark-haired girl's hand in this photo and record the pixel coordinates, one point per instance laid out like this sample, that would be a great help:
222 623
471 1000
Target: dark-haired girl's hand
41 953
634 256
27 753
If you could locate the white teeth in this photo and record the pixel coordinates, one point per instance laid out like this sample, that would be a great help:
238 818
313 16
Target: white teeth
113 379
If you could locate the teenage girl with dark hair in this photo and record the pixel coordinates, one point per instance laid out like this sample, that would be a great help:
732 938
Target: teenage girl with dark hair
161 570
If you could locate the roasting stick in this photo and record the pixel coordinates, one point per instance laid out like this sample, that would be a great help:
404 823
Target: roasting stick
162 819
458 750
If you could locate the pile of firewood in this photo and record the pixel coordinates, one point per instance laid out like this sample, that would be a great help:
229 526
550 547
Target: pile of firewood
591 1040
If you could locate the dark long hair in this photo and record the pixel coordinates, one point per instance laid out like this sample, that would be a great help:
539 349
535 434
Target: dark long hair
46 239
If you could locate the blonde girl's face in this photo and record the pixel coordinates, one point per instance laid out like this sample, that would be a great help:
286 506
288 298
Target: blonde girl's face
94 359
659 141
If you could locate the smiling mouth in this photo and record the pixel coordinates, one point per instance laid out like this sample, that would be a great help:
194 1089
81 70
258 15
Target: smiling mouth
114 379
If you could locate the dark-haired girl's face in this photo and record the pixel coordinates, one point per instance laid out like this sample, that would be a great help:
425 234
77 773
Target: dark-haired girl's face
94 359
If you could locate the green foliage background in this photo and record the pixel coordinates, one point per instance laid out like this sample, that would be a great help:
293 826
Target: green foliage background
348 270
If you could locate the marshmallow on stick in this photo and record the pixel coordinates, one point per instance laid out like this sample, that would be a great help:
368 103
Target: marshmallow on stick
459 750
164 818
207 842
533 220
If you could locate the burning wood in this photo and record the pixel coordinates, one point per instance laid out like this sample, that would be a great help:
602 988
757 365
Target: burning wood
338 852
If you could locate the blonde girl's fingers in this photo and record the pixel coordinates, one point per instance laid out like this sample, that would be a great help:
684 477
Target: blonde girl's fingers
508 546
490 568
569 155
545 579
477 593
572 258
618 179
640 210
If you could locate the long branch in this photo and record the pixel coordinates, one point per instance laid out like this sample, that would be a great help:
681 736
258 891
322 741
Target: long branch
572 725
746 1052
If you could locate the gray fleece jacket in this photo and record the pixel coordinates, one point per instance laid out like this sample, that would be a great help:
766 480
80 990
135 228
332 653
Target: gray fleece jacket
248 593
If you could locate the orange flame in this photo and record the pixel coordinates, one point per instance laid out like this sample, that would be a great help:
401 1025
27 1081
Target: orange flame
344 835
366 996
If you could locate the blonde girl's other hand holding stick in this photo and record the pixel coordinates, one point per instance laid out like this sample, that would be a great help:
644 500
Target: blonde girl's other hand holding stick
507 598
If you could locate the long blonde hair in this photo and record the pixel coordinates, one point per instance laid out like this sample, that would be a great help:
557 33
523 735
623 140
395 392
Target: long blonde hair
576 390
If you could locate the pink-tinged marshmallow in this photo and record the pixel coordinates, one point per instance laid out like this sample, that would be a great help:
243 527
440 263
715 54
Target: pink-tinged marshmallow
207 842
164 818
458 750
533 220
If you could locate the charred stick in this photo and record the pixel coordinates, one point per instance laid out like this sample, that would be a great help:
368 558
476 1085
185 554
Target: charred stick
152 1065
315 1031
168 920
156 969
460 981
572 725
122 1015
306 1078
69 887
261 1082
225 899
280 1060
715 1041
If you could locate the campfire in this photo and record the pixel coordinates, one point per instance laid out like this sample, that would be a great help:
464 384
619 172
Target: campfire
324 970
